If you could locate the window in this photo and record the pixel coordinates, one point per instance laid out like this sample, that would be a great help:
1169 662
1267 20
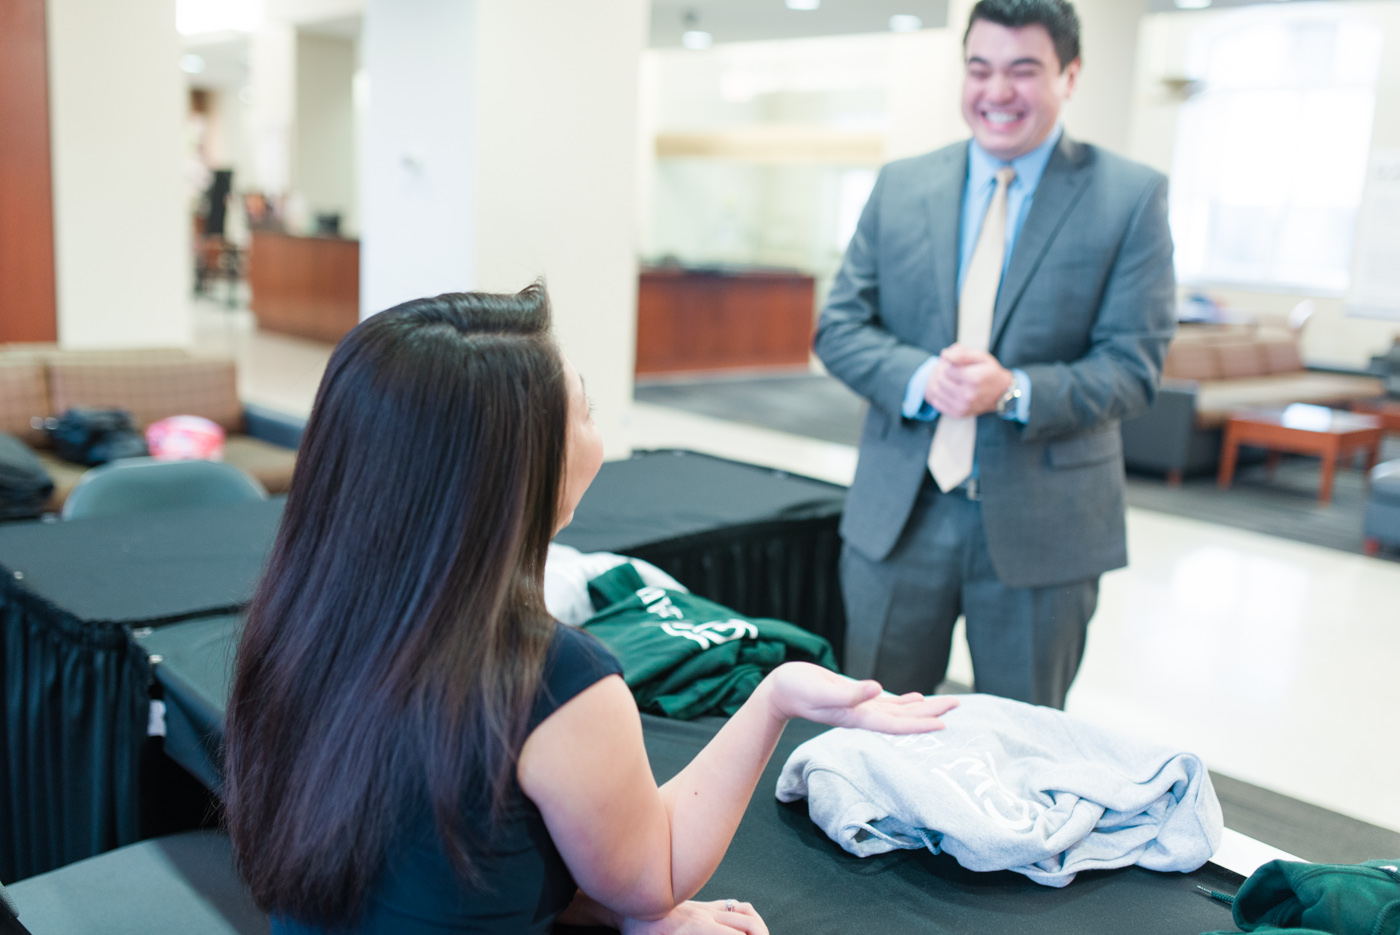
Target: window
1271 153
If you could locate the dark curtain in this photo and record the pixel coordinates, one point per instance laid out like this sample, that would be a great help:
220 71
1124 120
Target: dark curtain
784 569
73 728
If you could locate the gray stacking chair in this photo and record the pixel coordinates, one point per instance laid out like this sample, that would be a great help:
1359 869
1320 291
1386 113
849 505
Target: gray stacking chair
138 485
183 884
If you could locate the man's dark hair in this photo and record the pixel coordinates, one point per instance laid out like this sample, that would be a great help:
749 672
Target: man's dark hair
1057 16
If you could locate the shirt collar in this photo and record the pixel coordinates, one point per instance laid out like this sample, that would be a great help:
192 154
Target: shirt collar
982 166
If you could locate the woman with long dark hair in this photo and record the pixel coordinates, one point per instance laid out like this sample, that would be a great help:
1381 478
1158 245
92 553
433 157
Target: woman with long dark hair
414 745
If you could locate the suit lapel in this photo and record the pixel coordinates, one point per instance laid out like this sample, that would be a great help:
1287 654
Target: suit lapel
944 200
1065 176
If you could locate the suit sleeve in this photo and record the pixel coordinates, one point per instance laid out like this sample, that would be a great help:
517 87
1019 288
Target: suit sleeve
1118 377
851 339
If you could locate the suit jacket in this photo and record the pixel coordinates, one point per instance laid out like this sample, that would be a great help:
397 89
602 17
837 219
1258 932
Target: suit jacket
1086 309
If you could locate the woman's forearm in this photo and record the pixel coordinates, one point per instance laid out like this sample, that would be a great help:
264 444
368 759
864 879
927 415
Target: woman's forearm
707 799
642 851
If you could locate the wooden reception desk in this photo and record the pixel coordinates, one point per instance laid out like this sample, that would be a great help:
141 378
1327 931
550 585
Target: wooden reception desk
306 286
716 319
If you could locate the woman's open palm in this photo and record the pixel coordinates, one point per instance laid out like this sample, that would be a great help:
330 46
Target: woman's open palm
809 691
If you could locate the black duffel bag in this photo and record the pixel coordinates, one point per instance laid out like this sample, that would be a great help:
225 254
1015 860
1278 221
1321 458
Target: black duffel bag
95 436
24 484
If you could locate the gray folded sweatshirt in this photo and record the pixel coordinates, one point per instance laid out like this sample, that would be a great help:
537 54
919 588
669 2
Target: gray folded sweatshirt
1010 786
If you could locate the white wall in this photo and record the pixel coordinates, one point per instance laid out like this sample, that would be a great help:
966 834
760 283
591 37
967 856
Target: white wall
499 145
1101 109
556 155
925 97
117 115
1331 337
323 160
272 72
418 150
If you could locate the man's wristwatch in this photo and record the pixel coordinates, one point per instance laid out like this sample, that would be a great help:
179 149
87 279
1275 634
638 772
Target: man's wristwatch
1007 404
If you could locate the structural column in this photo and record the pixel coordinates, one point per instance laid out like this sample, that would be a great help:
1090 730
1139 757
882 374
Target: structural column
121 190
500 145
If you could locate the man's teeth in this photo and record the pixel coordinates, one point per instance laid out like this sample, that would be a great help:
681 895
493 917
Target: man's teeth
995 117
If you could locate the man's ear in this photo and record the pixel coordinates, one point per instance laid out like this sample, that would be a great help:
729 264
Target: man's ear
1071 77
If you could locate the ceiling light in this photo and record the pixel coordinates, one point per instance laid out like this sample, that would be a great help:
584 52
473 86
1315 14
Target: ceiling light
803 4
697 40
191 64
1192 4
905 22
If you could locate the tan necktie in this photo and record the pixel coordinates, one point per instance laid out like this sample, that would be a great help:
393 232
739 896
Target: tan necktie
954 440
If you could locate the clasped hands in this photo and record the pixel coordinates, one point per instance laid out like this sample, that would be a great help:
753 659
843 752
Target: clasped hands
966 382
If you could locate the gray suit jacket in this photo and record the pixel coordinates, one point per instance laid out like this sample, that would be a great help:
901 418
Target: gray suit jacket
1085 309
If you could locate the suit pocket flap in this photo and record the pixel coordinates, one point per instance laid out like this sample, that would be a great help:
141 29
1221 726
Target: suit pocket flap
1086 449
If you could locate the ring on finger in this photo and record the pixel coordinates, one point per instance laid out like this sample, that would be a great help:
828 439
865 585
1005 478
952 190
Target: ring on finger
729 905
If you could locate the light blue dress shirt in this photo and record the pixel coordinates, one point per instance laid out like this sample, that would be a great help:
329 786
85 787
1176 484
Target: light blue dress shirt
982 169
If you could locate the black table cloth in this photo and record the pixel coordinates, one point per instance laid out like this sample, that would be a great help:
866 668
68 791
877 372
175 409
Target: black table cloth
143 569
71 594
193 663
799 880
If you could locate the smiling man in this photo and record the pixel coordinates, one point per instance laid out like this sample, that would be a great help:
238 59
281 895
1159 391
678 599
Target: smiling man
1004 303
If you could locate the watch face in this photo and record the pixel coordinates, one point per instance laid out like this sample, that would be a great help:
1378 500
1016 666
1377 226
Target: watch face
1007 399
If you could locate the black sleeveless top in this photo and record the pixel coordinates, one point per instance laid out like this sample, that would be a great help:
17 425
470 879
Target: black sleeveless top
526 884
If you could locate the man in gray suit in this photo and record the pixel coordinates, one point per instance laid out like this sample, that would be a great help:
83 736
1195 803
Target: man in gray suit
1004 303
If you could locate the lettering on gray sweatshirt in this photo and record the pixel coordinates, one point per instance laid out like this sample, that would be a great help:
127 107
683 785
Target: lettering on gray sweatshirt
1010 786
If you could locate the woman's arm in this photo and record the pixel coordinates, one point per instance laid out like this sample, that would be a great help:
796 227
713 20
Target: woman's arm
640 850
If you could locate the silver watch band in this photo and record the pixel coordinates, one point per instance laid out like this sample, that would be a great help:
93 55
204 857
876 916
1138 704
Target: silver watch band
1006 405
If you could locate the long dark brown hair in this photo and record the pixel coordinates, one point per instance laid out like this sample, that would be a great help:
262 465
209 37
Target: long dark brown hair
394 646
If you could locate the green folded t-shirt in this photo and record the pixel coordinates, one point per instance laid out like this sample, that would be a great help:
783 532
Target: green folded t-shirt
684 656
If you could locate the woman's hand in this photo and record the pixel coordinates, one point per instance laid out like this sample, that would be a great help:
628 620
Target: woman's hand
695 918
803 690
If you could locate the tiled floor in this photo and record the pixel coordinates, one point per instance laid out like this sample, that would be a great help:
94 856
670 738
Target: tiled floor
1277 661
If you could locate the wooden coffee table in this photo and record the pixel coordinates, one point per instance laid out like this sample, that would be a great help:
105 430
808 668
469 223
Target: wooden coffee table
1385 408
1312 430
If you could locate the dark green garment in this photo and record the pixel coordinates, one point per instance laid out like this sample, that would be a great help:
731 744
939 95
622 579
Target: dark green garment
684 656
1321 899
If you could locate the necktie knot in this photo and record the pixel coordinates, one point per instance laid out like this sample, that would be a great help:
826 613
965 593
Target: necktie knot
1005 176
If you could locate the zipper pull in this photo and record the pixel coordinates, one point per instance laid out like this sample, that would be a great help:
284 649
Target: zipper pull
1225 898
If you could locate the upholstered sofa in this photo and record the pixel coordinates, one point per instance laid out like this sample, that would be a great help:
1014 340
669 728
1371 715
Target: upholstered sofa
1213 371
38 380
